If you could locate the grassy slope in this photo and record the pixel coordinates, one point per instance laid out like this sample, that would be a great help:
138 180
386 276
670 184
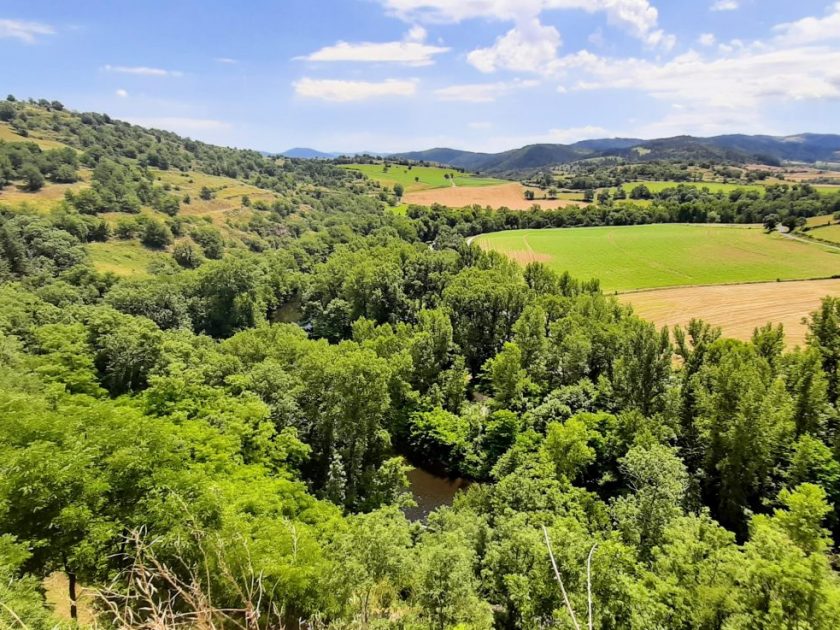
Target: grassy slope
714 187
124 258
8 134
430 176
130 258
827 233
647 256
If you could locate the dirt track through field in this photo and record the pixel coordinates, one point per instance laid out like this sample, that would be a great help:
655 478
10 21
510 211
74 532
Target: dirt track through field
737 309
504 195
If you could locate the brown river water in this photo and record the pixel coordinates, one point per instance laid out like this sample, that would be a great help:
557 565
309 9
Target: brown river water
431 492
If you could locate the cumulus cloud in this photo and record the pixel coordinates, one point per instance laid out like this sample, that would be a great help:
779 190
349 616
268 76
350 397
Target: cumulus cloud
121 93
707 39
639 17
412 51
143 71
725 5
481 92
341 91
739 80
226 60
27 32
528 47
811 30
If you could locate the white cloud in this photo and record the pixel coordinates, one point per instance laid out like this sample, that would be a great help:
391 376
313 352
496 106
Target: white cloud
27 32
121 93
597 38
180 124
707 39
576 134
811 30
481 92
725 5
480 124
143 71
226 60
341 91
714 91
528 47
411 51
639 17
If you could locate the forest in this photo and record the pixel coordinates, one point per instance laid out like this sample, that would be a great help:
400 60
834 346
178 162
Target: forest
224 443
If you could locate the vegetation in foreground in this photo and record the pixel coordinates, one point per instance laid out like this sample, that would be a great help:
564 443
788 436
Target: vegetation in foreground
169 443
646 256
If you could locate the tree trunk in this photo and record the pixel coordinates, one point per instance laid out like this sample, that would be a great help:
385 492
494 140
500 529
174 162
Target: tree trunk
71 591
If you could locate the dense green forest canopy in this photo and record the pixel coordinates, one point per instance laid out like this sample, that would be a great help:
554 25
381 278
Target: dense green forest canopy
228 438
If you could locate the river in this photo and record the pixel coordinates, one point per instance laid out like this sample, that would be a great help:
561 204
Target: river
431 492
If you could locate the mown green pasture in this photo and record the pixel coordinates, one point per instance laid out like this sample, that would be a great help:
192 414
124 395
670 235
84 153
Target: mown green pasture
420 177
647 256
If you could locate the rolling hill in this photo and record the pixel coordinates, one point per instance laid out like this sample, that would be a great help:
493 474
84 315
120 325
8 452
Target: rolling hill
738 149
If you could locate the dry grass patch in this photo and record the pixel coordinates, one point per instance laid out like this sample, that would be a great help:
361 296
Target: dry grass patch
737 309
501 196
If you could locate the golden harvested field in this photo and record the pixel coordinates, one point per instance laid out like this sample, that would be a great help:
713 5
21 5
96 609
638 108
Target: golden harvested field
510 195
737 309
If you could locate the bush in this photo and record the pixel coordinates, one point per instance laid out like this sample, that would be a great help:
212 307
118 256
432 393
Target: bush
32 178
156 234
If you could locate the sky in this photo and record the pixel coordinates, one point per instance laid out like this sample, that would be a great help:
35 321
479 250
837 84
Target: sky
398 75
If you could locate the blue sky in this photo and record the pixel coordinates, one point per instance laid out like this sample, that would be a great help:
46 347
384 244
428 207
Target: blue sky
391 75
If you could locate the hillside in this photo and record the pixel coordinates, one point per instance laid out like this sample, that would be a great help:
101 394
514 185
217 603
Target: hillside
737 149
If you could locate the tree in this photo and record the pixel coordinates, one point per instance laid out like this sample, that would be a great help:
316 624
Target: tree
155 234
658 480
484 304
567 447
7 111
529 194
399 190
374 554
445 588
206 193
643 366
33 180
771 221
824 336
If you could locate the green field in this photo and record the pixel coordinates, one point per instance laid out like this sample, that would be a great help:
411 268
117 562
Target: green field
827 233
714 187
648 256
420 177
124 258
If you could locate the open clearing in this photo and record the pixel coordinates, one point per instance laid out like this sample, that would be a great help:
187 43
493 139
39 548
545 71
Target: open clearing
649 256
420 177
123 258
510 195
737 309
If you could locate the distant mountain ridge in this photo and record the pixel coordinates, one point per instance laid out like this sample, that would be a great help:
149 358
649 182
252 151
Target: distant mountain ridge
737 148
308 154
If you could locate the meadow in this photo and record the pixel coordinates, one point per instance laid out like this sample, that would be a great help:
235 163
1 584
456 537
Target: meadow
416 178
648 256
123 258
714 187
